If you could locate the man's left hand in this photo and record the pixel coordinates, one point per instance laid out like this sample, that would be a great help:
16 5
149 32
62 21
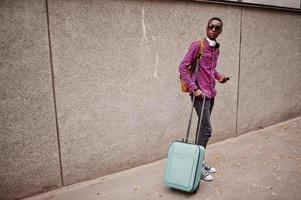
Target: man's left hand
222 79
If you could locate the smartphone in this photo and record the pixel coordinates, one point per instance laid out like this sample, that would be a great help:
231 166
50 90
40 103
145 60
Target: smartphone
228 78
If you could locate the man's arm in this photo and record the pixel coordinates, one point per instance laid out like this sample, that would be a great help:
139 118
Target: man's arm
217 75
188 60
220 77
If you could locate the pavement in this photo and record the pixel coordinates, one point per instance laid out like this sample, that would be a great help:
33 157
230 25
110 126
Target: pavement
260 165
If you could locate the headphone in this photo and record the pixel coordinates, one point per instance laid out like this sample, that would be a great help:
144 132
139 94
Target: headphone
213 43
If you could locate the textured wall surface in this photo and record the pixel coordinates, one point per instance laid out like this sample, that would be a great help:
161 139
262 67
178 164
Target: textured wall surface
281 3
29 159
284 3
270 73
115 73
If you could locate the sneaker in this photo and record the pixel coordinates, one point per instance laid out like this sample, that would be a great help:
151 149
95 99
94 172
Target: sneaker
205 175
209 169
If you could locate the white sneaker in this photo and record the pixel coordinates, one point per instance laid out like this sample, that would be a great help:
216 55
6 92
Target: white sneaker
205 175
209 169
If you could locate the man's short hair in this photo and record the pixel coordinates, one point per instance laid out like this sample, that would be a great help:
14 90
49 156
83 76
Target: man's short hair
215 18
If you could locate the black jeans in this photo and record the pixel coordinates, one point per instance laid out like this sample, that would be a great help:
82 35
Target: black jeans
205 129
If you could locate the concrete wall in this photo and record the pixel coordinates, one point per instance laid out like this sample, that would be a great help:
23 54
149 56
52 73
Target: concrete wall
270 73
29 158
281 3
113 100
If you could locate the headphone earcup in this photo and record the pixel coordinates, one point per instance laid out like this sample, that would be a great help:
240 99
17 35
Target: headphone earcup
212 43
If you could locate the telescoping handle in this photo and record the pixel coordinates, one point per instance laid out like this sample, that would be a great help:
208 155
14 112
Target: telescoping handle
197 65
200 119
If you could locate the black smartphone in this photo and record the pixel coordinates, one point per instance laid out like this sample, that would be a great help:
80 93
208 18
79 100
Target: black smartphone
228 78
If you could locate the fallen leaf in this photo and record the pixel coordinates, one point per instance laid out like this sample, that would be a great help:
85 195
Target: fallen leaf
217 157
269 187
219 174
217 190
293 158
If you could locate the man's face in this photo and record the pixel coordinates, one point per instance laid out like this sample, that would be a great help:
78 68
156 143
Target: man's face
213 29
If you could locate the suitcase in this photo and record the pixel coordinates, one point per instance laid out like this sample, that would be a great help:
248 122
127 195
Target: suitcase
184 162
183 169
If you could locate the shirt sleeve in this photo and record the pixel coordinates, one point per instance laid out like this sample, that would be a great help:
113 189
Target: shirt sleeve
217 75
188 60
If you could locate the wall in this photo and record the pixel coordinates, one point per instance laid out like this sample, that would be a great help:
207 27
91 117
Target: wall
270 68
283 3
91 88
29 158
276 3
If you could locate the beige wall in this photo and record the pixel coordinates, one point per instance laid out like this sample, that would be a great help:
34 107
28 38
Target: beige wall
283 3
115 77
29 159
270 73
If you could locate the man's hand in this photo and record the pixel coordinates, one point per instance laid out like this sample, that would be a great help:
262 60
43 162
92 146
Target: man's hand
197 93
223 79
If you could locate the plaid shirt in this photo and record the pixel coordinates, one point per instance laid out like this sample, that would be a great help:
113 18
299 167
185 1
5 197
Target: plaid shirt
207 72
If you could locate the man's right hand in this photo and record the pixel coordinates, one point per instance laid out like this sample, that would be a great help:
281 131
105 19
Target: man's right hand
197 93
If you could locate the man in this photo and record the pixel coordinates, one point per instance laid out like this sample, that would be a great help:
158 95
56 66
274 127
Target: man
204 83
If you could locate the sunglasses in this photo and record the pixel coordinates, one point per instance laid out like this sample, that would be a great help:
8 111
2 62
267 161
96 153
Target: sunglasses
216 27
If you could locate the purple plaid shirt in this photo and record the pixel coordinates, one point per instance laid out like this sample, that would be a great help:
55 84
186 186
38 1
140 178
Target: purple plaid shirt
207 72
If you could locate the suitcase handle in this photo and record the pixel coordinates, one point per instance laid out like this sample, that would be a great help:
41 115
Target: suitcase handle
201 117
199 120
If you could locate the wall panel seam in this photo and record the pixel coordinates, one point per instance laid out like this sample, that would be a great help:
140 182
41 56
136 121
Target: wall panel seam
53 90
238 75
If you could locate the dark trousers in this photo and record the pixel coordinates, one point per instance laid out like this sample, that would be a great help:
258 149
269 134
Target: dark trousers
205 129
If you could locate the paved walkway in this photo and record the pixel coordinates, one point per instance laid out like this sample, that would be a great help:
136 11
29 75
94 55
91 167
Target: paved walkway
260 165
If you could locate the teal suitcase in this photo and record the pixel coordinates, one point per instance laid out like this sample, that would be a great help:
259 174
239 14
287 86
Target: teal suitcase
184 162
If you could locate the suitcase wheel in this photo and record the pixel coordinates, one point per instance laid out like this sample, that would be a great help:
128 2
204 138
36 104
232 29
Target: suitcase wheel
196 189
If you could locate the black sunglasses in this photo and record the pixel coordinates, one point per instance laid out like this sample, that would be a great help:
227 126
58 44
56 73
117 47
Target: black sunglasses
216 27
